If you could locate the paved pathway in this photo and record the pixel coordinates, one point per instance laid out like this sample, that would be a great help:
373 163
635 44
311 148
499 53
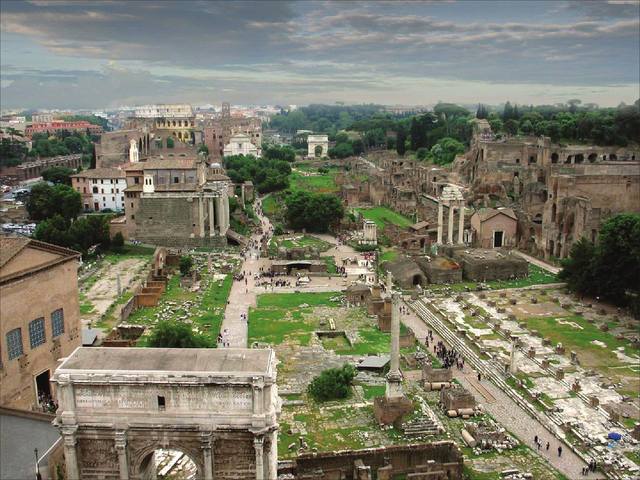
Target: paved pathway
507 412
539 263
242 294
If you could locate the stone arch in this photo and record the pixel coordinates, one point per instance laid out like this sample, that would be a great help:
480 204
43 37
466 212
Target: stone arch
417 279
139 460
532 159
554 157
569 159
592 157
579 158
613 157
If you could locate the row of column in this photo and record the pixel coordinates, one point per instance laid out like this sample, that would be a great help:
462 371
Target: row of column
217 214
460 208
266 462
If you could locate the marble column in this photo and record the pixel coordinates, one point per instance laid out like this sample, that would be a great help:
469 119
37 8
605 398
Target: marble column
450 230
394 377
440 221
227 214
212 230
121 449
206 443
201 215
219 214
242 194
70 453
258 444
461 223
272 458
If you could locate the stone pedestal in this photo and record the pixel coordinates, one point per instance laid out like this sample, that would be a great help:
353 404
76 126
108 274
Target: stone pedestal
390 411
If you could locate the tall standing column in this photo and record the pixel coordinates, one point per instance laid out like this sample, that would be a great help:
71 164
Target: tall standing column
219 213
70 454
206 443
258 444
450 230
121 449
225 217
461 224
394 377
201 215
272 458
212 230
440 220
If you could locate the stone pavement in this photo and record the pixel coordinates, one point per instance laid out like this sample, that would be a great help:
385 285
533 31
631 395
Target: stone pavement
242 295
504 410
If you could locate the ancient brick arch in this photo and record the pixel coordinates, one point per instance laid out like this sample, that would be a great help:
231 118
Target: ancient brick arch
119 405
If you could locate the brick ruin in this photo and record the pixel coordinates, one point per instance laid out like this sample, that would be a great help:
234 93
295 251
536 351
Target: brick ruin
429 461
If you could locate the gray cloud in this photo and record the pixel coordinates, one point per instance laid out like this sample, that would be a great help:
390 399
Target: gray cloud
197 49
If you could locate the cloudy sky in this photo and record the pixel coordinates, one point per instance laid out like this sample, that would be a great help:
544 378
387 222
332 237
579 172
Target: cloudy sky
98 54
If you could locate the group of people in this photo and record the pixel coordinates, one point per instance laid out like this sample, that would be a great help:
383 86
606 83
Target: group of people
448 356
592 467
46 403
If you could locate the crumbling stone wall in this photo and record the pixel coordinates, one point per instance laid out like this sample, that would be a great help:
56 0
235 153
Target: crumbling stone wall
443 459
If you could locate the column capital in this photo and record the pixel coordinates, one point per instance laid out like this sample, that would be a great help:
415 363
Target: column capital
258 441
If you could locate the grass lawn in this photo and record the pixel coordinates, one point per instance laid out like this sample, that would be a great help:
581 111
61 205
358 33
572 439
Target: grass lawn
580 340
280 315
86 306
388 256
322 183
383 215
129 251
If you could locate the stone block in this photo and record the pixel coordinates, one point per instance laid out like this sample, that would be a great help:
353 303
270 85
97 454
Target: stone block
604 327
545 363
594 401
559 374
391 411
531 353
575 387
513 301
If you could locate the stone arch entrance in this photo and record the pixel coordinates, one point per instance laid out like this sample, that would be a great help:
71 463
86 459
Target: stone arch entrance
117 406
169 463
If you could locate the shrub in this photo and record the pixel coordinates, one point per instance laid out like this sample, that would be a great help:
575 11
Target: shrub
186 263
117 242
332 384
176 335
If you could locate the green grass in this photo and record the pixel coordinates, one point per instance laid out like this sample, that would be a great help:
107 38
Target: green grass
86 306
373 391
384 215
278 316
323 183
370 341
331 264
388 256
580 340
634 456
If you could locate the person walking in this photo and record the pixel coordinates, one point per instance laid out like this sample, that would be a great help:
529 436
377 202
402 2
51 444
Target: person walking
548 445
560 451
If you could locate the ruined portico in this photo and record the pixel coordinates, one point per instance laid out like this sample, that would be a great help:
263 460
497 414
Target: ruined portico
117 406
451 197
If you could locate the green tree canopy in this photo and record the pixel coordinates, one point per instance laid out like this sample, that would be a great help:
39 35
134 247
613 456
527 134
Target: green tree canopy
332 384
445 151
274 152
268 175
58 175
46 201
312 211
168 334
186 264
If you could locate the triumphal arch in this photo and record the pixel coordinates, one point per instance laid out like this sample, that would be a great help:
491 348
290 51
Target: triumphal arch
117 406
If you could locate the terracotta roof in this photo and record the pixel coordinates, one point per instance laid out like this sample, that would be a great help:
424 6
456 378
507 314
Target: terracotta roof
10 247
134 188
133 166
217 177
487 213
174 163
100 173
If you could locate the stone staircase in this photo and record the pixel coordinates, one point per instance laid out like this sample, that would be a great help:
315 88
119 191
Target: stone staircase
427 424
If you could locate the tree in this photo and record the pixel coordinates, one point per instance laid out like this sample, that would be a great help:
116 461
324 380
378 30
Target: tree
511 126
334 383
170 334
341 150
117 243
46 201
284 153
58 175
482 111
203 149
445 150
313 211
186 264
401 142
170 142
81 234
578 270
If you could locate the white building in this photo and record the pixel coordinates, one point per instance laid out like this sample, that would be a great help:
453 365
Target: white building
101 188
321 141
179 110
240 144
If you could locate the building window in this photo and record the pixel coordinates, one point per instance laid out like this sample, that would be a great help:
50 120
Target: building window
14 343
176 179
36 332
57 322
136 180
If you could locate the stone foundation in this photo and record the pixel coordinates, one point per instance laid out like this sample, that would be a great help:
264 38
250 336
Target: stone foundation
390 411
